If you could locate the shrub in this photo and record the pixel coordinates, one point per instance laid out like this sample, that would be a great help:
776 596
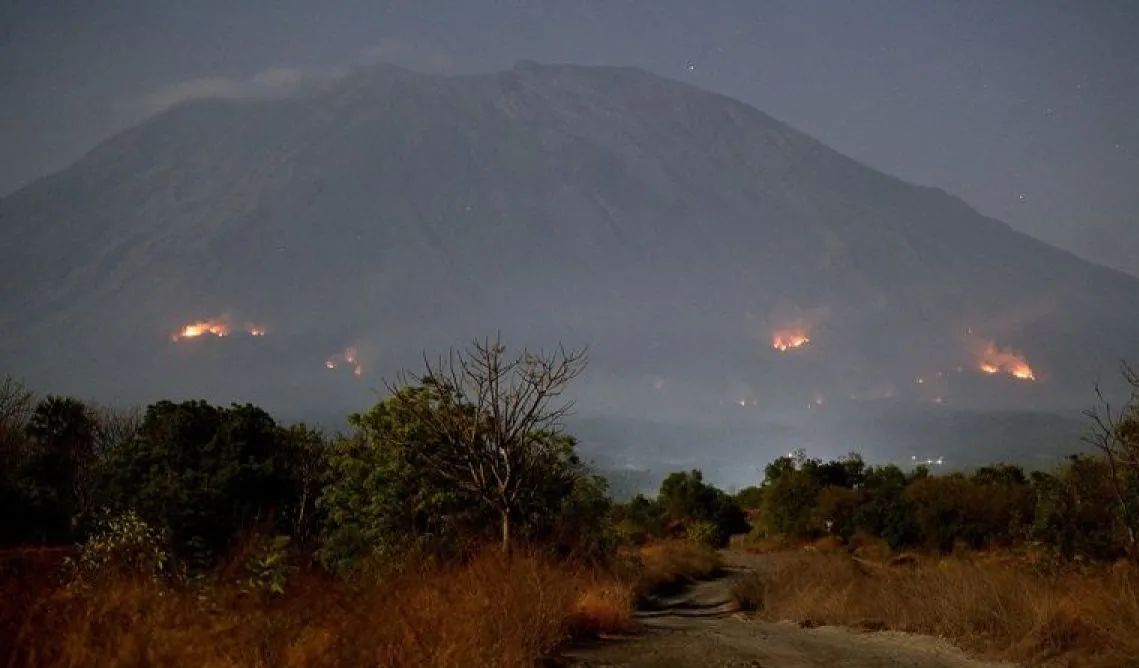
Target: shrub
704 533
686 498
747 591
122 545
268 567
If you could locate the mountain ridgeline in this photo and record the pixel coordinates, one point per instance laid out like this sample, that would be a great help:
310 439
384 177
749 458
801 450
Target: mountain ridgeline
675 231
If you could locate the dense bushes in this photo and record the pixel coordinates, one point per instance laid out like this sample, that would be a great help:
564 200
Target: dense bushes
207 474
685 506
434 469
384 497
195 534
1069 511
1088 507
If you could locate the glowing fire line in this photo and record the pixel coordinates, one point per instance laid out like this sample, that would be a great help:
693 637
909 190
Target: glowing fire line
785 340
218 327
993 360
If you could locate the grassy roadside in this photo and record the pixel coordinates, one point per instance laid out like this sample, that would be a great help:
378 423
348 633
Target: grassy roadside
993 605
670 564
492 610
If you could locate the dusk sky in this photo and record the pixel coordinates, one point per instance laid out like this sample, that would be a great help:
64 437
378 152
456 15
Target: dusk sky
1028 111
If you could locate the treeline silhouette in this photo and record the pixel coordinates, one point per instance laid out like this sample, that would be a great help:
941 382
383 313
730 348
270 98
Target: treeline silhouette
201 478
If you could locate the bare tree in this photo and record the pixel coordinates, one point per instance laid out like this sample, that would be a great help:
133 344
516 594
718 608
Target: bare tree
16 403
1115 433
114 427
496 421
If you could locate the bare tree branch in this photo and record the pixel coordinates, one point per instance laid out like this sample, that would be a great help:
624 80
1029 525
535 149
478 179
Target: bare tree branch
496 419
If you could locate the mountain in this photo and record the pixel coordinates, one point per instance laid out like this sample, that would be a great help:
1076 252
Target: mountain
1113 243
673 230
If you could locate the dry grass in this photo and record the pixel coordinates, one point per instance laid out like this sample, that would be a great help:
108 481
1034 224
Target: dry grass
995 607
671 563
492 611
748 590
603 607
25 575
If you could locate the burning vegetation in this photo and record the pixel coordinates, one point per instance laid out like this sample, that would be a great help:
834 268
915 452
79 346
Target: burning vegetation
201 328
789 339
219 327
349 358
993 360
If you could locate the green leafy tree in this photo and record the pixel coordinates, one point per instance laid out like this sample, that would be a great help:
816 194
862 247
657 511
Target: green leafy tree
306 453
59 465
203 473
750 498
836 511
1076 511
789 503
685 497
494 426
638 520
978 512
377 502
580 528
887 512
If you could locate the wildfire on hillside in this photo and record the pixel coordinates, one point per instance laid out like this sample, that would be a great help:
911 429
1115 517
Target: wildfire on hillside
993 360
349 358
784 340
219 327
201 328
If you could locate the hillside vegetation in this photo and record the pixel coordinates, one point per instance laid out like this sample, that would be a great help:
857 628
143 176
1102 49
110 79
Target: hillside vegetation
455 525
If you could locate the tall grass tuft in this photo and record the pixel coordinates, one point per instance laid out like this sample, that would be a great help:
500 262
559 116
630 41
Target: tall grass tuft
998 608
493 610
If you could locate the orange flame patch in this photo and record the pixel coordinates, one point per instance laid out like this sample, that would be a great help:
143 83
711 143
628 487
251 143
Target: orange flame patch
993 360
784 340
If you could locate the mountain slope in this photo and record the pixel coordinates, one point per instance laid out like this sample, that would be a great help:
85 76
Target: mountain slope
671 229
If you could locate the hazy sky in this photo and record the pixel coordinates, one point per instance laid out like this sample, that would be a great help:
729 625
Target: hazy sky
1030 111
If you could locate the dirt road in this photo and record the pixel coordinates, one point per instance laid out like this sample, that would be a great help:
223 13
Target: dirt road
701 628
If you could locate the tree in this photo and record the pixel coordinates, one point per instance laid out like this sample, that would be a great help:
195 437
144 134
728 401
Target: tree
789 503
204 474
836 509
377 501
639 520
495 424
887 512
685 497
307 454
750 498
1075 510
15 408
61 459
581 527
1115 433
16 496
114 427
847 472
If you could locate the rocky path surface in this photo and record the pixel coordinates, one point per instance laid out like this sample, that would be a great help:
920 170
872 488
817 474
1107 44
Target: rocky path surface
701 627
